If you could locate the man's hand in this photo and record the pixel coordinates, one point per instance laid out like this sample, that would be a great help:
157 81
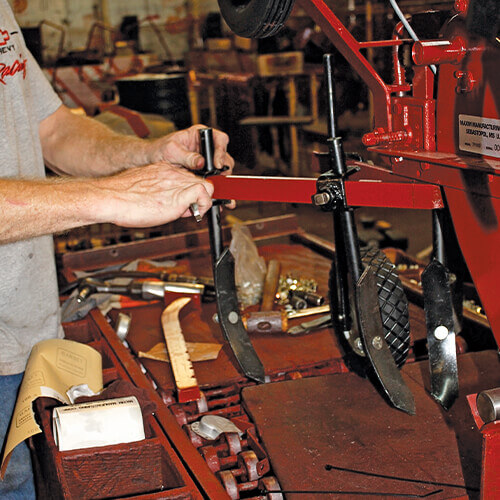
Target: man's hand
137 197
83 147
183 148
151 195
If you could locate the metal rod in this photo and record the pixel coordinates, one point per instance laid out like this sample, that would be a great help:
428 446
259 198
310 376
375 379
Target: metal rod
214 225
438 242
310 311
397 478
355 493
330 88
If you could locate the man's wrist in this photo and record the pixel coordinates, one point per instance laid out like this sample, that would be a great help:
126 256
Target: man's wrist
151 153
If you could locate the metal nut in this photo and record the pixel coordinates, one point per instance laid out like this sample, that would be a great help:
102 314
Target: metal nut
320 199
377 342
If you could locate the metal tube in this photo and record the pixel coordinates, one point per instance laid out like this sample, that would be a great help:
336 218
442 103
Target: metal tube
330 89
438 243
214 225
488 405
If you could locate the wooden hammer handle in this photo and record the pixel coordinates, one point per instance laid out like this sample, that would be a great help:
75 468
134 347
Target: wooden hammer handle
270 285
266 322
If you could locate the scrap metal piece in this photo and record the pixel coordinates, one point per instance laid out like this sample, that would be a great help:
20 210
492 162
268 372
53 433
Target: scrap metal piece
310 311
230 319
145 290
212 426
488 405
156 289
375 346
312 299
438 306
309 326
122 326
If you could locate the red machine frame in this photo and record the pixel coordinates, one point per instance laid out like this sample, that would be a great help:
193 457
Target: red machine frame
416 138
423 163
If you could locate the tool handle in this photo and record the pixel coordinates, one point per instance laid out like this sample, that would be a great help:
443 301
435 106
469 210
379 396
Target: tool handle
270 285
214 224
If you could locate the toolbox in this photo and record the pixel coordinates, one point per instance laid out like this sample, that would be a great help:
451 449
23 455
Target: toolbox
316 429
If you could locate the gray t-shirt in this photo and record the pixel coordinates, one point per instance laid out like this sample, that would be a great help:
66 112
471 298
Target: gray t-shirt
29 305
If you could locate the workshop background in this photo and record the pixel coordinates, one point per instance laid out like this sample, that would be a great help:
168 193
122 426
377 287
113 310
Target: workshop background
273 109
149 67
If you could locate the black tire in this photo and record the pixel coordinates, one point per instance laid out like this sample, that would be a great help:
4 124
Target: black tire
393 308
255 18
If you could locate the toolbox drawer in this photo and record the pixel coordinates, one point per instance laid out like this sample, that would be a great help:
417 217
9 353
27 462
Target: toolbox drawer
147 468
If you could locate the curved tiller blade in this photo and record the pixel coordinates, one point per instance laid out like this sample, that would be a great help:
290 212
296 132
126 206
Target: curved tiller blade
375 346
230 318
438 306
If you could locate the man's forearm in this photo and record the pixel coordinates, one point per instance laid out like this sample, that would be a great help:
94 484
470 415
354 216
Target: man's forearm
34 207
138 197
81 146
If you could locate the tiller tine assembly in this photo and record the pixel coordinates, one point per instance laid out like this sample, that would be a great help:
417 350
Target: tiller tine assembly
225 288
355 296
439 318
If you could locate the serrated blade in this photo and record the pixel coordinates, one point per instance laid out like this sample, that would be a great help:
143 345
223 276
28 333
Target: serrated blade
182 368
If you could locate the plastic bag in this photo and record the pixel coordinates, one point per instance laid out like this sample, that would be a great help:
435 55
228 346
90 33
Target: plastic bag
250 267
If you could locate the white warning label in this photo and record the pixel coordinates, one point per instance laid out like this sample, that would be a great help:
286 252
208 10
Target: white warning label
479 135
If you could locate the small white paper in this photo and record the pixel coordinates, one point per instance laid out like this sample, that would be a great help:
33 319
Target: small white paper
77 391
98 423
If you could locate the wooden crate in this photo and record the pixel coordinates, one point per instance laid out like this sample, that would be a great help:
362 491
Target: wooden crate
280 64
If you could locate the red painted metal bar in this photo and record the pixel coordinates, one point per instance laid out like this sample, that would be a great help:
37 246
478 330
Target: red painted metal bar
349 47
383 43
439 51
364 193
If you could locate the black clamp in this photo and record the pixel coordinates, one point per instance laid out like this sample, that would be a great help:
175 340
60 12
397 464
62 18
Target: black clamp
331 190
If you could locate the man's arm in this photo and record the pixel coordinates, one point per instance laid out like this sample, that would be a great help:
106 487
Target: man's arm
138 197
81 146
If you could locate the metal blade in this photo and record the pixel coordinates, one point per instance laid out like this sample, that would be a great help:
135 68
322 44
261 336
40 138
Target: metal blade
438 306
309 326
375 346
230 318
